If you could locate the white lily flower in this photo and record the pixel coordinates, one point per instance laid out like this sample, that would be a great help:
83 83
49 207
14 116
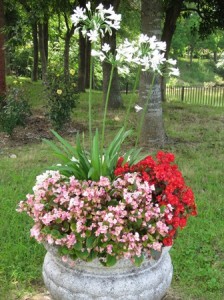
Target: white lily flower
161 46
172 61
93 35
110 10
106 47
100 7
88 6
79 15
174 72
143 38
124 70
138 108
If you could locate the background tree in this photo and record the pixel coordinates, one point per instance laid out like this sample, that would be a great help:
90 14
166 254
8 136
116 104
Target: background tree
115 100
153 129
2 53
84 58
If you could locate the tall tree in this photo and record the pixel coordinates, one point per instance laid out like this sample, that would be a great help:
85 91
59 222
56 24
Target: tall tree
84 58
35 51
2 53
153 129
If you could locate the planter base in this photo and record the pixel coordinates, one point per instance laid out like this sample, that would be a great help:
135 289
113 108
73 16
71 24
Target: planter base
90 281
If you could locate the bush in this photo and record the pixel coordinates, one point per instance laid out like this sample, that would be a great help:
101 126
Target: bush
62 99
15 110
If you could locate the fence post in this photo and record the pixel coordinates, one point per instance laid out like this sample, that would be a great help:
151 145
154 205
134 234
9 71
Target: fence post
182 93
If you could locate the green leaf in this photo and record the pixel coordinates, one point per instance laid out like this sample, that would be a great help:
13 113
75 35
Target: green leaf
68 148
111 260
92 255
83 255
64 250
78 246
90 241
138 260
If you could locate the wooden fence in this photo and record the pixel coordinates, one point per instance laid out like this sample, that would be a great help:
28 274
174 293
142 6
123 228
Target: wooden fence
213 96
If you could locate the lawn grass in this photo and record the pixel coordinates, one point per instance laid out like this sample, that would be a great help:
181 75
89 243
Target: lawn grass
198 254
200 72
196 137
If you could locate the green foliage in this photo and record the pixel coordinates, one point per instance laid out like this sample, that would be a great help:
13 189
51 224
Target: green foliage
21 61
15 110
91 165
62 98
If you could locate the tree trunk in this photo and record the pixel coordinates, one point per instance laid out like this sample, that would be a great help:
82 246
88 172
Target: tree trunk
173 11
191 50
2 55
82 63
45 37
42 51
115 100
215 56
35 52
68 36
153 133
87 63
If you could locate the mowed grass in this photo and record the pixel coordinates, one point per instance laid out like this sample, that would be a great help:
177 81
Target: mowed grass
196 138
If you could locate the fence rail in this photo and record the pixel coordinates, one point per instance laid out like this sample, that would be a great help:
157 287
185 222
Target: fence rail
213 96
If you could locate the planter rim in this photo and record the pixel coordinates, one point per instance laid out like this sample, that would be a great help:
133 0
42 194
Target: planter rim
95 266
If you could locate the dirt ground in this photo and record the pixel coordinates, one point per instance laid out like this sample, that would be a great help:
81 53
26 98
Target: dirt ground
37 128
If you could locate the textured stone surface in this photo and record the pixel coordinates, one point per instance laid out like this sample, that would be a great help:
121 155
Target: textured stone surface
90 281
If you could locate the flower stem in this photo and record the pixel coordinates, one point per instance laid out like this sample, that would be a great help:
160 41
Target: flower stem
132 97
90 99
106 106
144 111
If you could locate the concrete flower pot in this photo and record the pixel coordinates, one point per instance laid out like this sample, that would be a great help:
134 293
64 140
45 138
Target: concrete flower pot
124 281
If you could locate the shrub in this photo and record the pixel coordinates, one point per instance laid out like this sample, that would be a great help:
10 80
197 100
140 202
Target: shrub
62 99
15 110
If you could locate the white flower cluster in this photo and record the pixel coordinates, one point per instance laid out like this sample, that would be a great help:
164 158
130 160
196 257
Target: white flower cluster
146 52
94 24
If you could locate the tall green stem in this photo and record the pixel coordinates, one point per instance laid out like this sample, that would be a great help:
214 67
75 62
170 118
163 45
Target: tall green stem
90 99
106 106
144 111
132 97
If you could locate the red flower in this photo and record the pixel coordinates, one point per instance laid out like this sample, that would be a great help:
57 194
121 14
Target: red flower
183 222
170 189
168 241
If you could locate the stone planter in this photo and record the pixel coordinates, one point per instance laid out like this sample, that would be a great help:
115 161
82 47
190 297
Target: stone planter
124 281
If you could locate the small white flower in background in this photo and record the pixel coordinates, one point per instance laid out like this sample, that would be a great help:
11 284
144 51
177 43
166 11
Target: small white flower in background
174 72
138 108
